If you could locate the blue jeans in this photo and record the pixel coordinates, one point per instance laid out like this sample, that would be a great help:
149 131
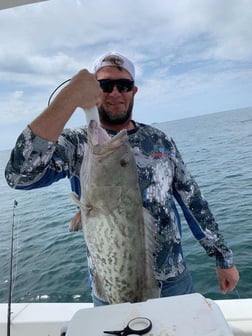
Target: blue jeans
179 285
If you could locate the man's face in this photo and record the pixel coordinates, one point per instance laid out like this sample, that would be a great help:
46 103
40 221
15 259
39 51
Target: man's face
116 106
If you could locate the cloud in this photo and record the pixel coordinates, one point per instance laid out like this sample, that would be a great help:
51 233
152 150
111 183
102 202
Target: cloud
182 50
18 106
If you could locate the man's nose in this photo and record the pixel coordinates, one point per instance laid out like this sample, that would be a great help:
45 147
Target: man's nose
115 91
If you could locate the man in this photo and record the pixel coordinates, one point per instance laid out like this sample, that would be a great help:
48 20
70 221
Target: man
45 153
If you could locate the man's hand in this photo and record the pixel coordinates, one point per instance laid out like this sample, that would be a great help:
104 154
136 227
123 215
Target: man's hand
228 278
82 91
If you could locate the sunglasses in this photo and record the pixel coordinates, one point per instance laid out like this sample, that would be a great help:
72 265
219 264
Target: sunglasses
122 85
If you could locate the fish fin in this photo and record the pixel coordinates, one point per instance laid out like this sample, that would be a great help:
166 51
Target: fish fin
76 224
151 243
97 286
76 199
151 246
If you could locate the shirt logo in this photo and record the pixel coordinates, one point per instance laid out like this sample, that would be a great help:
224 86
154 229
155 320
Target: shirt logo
160 153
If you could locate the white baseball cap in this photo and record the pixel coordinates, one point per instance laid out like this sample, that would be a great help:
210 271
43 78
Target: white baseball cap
115 59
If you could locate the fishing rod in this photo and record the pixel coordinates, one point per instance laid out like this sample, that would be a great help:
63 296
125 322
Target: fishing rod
11 269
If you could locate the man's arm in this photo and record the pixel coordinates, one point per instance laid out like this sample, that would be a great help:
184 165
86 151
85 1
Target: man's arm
203 225
38 157
82 91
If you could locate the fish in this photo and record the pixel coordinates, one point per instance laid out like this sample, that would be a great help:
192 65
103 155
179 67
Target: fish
119 232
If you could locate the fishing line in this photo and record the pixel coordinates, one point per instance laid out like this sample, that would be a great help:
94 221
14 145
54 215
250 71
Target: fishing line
55 90
237 293
11 270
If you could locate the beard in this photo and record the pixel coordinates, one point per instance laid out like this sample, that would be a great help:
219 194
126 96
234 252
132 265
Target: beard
108 118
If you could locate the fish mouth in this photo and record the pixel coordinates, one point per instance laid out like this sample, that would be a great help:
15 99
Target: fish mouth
100 142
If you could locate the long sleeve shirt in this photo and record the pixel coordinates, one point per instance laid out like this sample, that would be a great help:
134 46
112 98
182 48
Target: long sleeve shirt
163 179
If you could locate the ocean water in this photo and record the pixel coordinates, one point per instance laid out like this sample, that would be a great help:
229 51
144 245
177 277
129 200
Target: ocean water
49 263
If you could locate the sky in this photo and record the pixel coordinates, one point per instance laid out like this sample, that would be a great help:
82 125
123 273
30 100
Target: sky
192 57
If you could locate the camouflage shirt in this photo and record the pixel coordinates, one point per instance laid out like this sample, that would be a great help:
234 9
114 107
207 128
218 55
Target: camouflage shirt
163 178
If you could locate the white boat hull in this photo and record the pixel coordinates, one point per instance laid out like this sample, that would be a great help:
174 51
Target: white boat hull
47 319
